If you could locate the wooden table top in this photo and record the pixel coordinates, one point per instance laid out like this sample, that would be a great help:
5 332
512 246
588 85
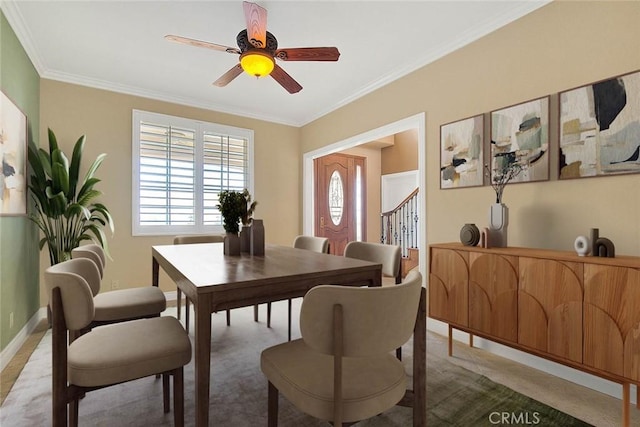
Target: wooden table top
208 269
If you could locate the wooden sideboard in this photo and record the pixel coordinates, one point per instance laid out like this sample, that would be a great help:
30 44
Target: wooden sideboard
583 312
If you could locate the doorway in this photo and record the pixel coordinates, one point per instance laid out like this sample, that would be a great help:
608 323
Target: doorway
340 200
308 194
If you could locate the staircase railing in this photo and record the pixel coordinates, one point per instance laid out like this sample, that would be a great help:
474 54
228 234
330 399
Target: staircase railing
399 226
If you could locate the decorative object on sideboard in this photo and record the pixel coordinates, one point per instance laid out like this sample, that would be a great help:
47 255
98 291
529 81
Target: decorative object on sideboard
503 172
594 234
469 235
484 238
257 237
604 248
582 245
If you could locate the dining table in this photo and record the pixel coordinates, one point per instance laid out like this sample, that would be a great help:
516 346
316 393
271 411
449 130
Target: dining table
214 281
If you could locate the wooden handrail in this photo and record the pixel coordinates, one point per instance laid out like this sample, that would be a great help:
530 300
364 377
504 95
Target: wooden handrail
402 203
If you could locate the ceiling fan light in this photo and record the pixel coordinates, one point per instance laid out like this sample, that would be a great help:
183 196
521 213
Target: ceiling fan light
257 63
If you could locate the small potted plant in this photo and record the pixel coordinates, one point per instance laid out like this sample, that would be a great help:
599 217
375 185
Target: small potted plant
232 206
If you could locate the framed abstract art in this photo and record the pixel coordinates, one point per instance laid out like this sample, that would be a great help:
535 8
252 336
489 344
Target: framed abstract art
461 153
13 154
600 128
520 134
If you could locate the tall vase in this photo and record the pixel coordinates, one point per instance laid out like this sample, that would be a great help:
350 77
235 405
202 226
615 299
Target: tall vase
257 237
231 244
245 238
498 222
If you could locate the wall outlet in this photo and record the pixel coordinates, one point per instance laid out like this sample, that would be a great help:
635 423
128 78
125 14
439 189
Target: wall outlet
115 284
11 320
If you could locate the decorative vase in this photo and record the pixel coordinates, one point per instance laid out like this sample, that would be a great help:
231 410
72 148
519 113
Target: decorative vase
498 222
231 244
245 238
257 237
469 235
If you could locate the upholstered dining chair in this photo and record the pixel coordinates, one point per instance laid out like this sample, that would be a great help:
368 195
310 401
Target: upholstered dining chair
122 304
109 355
390 256
311 243
342 370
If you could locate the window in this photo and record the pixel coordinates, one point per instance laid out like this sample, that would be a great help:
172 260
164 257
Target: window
179 167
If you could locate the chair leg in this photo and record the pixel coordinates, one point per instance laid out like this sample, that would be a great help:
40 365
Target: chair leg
255 312
179 302
73 412
289 319
272 411
186 313
228 317
178 397
166 392
268 315
399 353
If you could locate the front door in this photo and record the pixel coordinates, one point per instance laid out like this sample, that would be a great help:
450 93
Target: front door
340 200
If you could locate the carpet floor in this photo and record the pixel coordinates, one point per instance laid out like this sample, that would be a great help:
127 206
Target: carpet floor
455 396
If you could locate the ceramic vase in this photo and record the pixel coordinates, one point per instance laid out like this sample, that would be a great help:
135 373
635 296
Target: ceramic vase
231 244
469 235
257 237
498 222
245 238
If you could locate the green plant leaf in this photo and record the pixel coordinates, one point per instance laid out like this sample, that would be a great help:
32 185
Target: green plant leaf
94 166
88 185
45 161
74 168
42 242
36 163
88 196
60 178
53 142
77 209
57 202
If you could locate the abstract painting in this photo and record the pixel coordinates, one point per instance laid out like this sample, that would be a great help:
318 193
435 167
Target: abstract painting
520 134
461 153
13 148
600 128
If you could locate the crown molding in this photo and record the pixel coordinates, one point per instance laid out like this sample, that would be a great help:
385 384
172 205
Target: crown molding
16 21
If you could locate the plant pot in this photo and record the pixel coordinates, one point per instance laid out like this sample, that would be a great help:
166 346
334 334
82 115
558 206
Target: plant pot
498 222
231 244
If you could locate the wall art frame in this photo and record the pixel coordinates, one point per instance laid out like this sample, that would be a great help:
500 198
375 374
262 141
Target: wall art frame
520 134
13 157
462 153
599 128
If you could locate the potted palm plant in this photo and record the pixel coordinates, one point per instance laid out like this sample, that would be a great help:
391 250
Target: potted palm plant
66 210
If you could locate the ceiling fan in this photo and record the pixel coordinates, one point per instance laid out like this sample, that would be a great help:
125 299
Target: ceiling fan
258 49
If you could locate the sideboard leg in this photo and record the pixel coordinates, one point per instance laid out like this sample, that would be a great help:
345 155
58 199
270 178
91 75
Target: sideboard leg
450 341
626 402
637 396
470 340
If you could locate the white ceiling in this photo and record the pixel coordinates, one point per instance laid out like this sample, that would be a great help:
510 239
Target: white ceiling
120 46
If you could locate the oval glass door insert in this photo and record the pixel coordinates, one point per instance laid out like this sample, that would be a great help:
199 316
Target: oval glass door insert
336 198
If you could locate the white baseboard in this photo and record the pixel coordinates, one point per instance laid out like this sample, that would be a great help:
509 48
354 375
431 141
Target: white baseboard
578 377
18 341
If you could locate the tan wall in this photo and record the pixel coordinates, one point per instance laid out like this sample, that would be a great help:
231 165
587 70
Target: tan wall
402 156
558 47
106 119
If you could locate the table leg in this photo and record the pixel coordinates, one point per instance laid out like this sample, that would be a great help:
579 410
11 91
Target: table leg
202 305
155 272
450 341
420 364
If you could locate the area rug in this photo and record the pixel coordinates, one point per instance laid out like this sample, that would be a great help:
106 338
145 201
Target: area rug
455 396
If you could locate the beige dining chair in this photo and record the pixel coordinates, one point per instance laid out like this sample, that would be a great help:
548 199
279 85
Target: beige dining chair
389 256
122 304
311 243
342 370
110 355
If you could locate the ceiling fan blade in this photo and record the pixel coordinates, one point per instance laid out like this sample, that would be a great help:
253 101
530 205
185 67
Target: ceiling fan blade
308 54
285 80
200 43
256 17
226 78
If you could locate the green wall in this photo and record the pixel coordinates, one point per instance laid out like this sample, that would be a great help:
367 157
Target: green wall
19 259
